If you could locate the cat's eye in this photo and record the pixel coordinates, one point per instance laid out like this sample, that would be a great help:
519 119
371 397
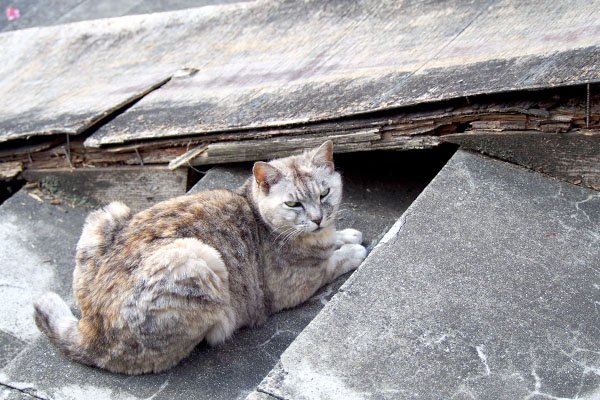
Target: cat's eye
292 204
324 192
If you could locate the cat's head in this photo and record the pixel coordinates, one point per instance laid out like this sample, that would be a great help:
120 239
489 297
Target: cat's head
298 194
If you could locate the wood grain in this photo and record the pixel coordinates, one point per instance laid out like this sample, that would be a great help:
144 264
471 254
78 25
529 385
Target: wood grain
138 187
272 64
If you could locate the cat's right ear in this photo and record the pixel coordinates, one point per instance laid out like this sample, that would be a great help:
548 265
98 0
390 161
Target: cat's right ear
265 175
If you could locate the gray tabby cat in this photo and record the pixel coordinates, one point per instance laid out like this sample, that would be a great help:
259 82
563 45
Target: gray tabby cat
151 286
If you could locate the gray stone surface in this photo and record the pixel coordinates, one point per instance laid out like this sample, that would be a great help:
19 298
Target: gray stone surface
488 287
37 246
223 177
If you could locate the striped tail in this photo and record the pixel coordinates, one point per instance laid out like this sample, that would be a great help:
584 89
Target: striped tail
54 318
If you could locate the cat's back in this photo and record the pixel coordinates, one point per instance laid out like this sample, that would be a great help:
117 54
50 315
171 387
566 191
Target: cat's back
212 216
118 240
112 262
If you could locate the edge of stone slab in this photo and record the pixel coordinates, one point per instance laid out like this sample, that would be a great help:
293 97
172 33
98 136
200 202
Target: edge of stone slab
231 177
274 379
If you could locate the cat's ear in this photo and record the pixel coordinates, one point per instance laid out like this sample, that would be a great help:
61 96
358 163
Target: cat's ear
323 155
265 175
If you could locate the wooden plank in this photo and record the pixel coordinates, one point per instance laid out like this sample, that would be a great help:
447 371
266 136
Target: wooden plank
553 110
572 156
270 64
250 150
138 187
325 65
187 157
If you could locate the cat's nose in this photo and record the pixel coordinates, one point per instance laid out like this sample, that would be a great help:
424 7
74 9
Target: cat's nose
318 221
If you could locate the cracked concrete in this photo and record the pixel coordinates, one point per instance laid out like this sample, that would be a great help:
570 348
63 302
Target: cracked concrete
489 289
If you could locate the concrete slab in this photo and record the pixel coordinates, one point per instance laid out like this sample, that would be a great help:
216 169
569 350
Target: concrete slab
31 366
230 177
37 247
486 288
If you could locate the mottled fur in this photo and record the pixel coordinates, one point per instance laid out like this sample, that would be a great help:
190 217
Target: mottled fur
151 286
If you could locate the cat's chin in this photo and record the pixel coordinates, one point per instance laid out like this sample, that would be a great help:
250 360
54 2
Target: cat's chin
320 229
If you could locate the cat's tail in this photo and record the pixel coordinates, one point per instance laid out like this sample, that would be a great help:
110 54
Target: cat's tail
54 318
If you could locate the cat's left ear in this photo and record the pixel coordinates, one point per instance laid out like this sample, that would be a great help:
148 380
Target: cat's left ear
323 155
265 175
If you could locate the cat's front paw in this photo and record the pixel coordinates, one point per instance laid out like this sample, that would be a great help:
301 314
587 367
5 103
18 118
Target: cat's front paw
352 255
348 236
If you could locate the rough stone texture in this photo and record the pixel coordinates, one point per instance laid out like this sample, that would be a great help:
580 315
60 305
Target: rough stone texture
37 247
486 288
260 396
31 233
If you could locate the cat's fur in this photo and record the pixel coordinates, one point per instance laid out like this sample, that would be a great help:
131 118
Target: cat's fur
151 286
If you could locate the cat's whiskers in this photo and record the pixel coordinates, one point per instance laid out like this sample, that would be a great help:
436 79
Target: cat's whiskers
291 235
337 213
283 233
341 211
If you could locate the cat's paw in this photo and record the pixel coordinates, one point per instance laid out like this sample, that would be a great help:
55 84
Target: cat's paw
351 256
348 236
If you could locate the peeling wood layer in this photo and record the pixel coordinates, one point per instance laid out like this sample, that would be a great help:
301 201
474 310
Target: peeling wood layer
537 117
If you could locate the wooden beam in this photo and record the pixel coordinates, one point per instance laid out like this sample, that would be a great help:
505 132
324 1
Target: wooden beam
138 187
250 150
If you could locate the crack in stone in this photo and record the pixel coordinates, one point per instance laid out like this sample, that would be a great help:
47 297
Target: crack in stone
483 359
270 394
24 391
394 230
162 387
277 332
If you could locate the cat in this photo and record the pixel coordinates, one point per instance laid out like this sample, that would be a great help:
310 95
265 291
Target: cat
152 286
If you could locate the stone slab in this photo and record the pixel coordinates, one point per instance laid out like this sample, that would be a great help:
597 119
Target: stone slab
37 247
486 288
230 177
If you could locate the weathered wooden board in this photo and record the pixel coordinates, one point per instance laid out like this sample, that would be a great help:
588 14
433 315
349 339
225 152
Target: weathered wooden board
295 62
138 187
63 79
250 150
572 156
274 63
55 12
555 110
